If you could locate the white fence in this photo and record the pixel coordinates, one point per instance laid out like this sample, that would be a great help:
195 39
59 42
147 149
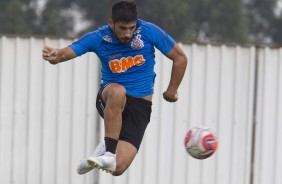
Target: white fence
48 119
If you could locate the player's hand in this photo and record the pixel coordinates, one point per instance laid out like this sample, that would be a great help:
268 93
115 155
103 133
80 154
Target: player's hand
170 96
50 54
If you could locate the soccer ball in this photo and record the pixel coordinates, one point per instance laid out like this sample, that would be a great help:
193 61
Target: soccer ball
200 142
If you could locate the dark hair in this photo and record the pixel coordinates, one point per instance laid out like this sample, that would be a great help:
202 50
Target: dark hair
124 11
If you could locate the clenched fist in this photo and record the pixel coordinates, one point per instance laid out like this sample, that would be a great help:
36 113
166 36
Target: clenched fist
170 96
50 54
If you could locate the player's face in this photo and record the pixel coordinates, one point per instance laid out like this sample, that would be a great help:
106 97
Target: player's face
123 31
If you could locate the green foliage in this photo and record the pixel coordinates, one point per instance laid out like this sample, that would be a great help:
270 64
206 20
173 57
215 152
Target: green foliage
276 33
54 21
218 20
96 11
264 24
210 20
21 17
14 17
172 16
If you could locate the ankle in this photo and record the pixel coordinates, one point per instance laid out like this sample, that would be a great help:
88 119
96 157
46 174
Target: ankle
111 144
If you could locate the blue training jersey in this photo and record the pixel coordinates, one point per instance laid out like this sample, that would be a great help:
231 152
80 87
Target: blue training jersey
132 64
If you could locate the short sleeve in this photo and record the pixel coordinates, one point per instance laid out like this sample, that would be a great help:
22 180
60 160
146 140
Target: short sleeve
162 41
87 43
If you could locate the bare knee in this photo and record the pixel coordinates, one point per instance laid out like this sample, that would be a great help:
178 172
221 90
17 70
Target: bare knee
114 92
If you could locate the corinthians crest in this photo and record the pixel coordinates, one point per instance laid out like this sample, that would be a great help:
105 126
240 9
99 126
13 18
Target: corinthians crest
107 38
136 42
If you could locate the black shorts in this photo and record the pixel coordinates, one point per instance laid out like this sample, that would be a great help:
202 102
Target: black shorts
135 118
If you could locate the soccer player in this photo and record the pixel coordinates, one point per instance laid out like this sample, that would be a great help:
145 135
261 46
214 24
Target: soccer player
126 48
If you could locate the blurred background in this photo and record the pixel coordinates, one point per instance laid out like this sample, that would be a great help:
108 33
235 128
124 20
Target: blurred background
240 21
233 84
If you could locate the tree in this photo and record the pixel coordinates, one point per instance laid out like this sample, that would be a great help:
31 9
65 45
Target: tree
218 20
55 20
264 24
97 12
277 36
15 15
22 17
172 16
208 20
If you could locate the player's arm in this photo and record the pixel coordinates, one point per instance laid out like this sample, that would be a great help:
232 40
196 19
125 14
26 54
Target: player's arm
55 55
179 65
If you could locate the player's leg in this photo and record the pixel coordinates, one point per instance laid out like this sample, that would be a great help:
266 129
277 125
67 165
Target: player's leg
110 103
114 97
135 119
126 153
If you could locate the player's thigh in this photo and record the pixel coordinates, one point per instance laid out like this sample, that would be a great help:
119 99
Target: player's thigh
125 153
